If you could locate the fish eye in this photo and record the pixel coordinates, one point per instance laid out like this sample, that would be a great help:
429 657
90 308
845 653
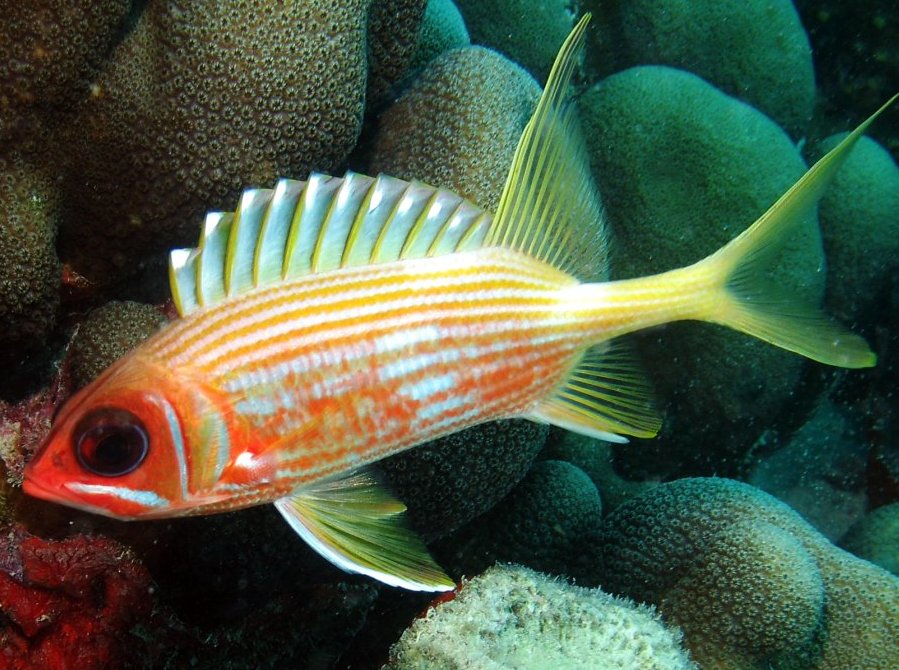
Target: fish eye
110 442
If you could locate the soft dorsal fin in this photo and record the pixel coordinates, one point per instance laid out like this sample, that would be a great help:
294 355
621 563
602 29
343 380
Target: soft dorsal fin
324 223
550 208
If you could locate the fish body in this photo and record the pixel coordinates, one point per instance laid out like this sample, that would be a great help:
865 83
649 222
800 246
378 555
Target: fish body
330 323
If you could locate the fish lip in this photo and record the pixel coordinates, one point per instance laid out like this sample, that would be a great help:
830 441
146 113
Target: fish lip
43 492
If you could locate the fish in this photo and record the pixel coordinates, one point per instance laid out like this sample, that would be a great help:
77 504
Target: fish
329 323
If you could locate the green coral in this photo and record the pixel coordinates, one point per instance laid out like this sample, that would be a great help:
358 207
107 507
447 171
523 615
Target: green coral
107 334
442 29
859 226
751 584
756 51
682 169
512 617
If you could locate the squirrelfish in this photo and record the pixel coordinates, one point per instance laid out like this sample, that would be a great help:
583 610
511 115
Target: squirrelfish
329 323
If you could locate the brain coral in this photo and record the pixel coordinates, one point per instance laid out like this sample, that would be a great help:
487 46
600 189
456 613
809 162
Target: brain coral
682 169
756 51
859 226
751 583
551 521
458 124
201 100
511 617
393 27
29 269
454 479
49 50
108 333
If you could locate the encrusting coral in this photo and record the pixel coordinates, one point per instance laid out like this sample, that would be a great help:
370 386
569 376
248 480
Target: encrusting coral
199 101
751 584
107 334
512 617
68 603
393 33
457 125
875 537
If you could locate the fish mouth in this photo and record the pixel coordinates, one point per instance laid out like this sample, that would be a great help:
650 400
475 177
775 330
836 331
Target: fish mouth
64 496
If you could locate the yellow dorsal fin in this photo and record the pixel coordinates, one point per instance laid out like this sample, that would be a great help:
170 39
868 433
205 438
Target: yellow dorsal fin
550 208
303 227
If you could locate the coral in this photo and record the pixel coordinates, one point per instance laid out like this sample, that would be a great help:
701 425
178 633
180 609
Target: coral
751 584
819 471
199 101
29 269
450 481
393 30
682 169
859 227
49 51
527 32
755 51
551 521
442 29
594 457
512 617
107 333
875 537
69 603
458 124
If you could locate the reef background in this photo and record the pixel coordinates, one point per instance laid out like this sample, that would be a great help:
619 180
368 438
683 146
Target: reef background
762 524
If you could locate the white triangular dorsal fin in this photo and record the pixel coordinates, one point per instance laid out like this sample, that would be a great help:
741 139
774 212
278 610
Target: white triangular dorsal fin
324 223
605 396
354 522
550 208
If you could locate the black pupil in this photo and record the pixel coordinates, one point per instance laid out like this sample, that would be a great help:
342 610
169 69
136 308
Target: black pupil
110 442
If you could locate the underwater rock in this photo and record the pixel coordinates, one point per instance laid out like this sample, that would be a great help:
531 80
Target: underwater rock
875 537
451 480
107 334
29 269
69 603
750 582
198 102
551 522
458 124
860 227
756 51
49 53
527 32
442 29
393 32
682 169
512 617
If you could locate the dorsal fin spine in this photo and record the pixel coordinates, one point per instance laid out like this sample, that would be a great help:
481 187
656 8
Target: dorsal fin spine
382 234
419 224
326 222
358 220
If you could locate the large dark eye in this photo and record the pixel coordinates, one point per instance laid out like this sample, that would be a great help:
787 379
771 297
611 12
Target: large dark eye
110 442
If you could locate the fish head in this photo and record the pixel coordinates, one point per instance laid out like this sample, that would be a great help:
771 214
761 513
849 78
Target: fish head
116 448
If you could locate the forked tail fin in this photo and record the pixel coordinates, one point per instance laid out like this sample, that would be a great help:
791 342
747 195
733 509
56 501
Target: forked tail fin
750 303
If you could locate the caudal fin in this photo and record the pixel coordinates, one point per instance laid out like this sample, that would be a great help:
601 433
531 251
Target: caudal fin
753 304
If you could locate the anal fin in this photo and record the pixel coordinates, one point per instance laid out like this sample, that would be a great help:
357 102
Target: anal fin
605 396
356 524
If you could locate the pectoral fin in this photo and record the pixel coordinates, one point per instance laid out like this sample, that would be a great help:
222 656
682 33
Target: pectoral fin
358 525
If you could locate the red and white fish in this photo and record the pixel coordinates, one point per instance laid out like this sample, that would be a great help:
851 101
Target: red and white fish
330 323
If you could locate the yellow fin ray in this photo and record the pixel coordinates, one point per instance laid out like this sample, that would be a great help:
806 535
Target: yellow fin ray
550 208
605 396
753 304
355 523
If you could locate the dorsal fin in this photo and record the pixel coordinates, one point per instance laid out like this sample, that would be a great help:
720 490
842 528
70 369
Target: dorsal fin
550 208
302 227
